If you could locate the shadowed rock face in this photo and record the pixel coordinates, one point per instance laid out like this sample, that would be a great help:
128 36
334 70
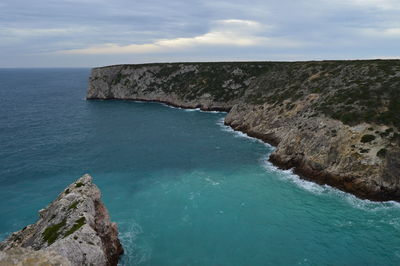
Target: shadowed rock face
334 122
76 226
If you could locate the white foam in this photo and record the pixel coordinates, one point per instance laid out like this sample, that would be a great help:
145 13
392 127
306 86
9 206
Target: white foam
134 254
201 111
394 222
212 112
193 195
192 110
328 190
289 175
239 134
170 106
365 204
220 122
212 182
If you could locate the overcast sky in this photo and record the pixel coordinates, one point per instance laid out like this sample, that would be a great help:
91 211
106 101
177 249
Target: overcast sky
75 33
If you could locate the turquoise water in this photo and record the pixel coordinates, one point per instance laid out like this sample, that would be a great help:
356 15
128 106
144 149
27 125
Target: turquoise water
184 189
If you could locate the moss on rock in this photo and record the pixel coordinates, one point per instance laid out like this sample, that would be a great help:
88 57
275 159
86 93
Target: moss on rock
78 224
52 232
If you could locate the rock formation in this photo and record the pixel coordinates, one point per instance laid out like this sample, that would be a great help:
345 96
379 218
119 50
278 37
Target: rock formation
334 122
27 257
74 229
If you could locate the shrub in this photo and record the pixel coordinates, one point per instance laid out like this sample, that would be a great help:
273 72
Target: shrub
51 233
367 138
348 118
74 205
381 153
78 224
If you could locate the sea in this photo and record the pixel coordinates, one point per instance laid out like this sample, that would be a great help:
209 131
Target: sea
183 188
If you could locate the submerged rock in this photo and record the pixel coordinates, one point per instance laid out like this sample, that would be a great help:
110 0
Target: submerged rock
76 226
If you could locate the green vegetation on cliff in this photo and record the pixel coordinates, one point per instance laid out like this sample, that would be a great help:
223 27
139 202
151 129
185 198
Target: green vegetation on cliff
78 224
351 91
52 232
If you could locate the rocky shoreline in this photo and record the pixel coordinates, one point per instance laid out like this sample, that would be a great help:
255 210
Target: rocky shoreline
75 229
286 111
323 157
208 109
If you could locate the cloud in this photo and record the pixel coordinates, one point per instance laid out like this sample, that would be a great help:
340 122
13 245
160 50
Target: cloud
382 33
380 4
229 32
100 32
38 32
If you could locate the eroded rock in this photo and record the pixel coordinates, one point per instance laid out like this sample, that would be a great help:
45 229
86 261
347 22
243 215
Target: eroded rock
75 226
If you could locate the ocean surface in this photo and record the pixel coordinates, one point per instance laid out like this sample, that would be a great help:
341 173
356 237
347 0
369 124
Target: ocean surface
183 188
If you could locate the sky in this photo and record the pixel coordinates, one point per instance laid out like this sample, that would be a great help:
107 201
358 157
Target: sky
88 33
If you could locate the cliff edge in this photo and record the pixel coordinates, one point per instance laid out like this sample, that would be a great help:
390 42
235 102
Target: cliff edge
75 229
334 122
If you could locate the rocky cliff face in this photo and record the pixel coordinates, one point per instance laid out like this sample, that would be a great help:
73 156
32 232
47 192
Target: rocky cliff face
75 228
334 122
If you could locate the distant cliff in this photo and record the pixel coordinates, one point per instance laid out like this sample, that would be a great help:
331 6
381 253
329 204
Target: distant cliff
334 122
74 229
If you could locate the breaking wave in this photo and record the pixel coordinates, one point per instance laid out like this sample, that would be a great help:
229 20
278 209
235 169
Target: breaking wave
312 187
327 190
238 134
134 253
191 109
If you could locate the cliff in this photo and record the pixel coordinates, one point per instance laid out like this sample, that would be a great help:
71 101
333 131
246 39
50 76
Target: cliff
334 122
28 257
74 229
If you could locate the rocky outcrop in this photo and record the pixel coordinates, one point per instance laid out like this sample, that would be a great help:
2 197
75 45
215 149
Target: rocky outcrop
28 257
334 122
76 227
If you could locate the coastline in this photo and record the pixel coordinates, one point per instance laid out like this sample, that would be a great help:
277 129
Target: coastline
315 113
222 175
199 106
303 173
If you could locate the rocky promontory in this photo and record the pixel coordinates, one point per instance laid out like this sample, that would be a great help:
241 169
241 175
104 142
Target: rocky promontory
75 229
334 122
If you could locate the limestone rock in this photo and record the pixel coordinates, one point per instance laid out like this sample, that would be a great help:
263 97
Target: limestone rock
76 226
27 257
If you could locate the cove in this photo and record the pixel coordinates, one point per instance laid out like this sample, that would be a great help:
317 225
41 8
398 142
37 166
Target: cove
183 188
